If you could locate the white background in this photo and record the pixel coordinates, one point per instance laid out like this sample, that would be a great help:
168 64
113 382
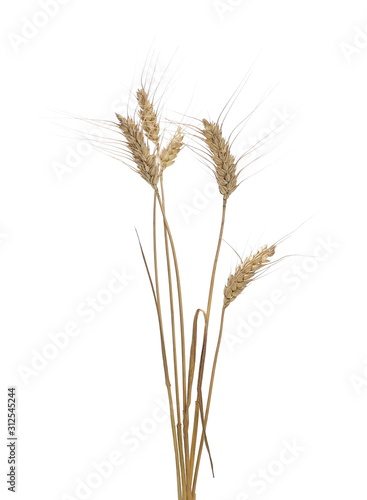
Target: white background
301 373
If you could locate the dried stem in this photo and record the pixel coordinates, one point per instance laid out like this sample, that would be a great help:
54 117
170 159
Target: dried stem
181 315
202 361
209 395
164 353
174 344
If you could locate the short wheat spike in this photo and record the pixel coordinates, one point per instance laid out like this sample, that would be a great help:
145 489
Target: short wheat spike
148 117
224 162
146 164
169 154
245 273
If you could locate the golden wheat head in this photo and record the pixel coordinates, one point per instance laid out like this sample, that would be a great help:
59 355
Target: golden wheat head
169 154
245 273
223 161
146 164
148 117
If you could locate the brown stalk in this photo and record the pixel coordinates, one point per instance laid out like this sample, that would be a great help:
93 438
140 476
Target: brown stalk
191 374
174 345
209 396
202 362
180 304
165 366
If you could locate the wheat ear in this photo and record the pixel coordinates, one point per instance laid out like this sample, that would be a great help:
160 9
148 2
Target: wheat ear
224 162
146 164
169 154
148 117
245 273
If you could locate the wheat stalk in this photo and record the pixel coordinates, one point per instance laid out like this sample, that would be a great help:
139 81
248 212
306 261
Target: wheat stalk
150 126
224 166
147 165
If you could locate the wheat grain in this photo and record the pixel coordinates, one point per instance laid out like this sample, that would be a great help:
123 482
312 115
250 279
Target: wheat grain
245 273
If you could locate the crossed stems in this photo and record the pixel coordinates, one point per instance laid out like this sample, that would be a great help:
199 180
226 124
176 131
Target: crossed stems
186 468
